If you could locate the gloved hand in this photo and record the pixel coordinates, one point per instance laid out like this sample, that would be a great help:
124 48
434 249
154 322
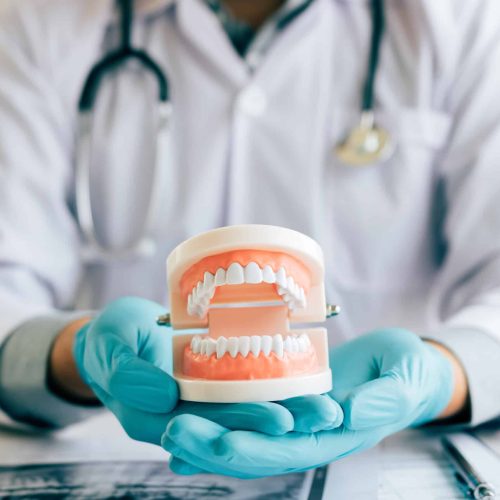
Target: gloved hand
124 356
385 381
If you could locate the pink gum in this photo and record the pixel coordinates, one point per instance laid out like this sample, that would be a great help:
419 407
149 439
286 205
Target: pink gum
249 367
263 258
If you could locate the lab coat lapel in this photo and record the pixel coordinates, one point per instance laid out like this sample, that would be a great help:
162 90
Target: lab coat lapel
204 32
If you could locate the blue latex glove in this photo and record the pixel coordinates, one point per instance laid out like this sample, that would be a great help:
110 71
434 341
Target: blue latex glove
385 381
124 356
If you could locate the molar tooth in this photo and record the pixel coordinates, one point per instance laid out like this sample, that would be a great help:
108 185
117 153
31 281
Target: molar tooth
255 345
244 345
278 346
268 275
282 291
290 284
281 277
287 344
234 275
294 344
221 346
267 344
196 344
211 347
199 289
203 346
220 277
253 274
232 346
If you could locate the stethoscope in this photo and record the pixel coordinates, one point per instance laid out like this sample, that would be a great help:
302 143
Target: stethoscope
365 144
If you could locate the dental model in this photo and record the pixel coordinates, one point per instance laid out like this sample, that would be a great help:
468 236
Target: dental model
244 285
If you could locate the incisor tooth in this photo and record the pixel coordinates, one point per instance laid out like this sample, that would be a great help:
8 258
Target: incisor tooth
244 346
268 275
281 277
232 346
255 345
278 347
221 347
211 347
234 275
267 344
253 274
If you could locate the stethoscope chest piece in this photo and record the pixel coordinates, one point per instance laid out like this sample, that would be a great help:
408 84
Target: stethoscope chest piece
366 144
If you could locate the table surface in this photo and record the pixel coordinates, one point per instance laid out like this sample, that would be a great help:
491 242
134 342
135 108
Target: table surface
410 465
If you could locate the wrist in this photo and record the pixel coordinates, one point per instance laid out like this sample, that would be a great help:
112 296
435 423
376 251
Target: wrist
459 401
63 376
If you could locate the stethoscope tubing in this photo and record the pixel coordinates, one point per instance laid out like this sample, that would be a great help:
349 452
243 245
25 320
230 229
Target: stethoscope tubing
144 245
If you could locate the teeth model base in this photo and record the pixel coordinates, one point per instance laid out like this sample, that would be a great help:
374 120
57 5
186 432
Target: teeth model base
247 345
199 299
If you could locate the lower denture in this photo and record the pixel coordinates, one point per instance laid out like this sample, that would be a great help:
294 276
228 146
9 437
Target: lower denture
249 367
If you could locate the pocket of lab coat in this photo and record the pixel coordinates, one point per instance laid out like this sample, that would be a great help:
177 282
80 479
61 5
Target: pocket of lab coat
382 235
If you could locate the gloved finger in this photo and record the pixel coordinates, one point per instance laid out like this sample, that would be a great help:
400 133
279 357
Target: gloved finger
384 401
269 418
314 412
179 466
139 425
212 447
129 379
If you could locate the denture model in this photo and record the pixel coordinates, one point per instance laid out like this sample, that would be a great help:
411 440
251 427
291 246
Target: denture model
243 286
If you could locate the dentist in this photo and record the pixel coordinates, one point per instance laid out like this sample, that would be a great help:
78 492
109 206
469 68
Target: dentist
262 95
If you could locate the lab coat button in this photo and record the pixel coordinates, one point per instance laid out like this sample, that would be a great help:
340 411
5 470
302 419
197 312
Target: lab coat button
252 101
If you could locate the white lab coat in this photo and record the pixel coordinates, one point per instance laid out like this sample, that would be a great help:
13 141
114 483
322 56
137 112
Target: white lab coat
411 242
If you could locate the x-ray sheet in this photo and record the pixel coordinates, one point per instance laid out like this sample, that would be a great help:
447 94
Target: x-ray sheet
146 480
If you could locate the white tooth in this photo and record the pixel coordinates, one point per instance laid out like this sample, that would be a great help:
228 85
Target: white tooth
278 345
208 285
244 346
221 347
232 346
281 277
211 346
267 344
290 284
296 291
301 345
292 305
287 344
253 274
199 311
255 345
282 291
302 298
305 339
199 288
190 304
234 275
195 344
294 345
268 275
203 346
208 279
287 297
220 277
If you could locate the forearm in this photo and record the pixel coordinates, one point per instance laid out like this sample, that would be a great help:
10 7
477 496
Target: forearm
25 393
63 377
459 402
